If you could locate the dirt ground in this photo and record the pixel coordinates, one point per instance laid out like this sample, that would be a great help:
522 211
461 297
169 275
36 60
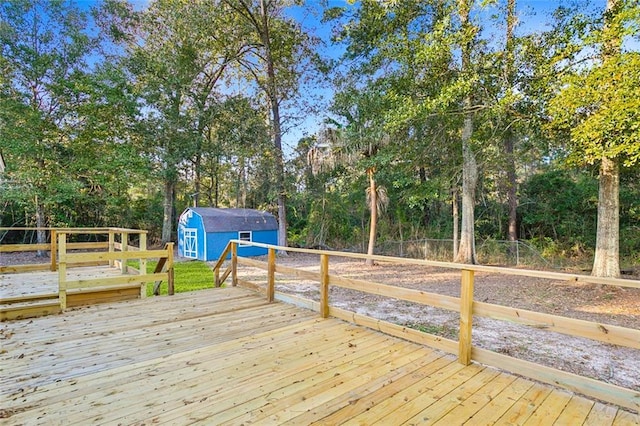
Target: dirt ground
602 304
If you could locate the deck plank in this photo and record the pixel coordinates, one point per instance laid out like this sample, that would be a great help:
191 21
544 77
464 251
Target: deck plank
499 405
439 404
227 356
625 418
575 412
292 400
524 407
601 414
229 383
440 379
550 409
361 404
467 408
343 406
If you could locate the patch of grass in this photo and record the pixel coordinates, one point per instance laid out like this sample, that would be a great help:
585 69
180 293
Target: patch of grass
188 276
438 330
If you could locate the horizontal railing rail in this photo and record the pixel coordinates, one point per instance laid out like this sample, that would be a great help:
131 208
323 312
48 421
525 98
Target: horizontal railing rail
115 251
117 255
51 246
465 305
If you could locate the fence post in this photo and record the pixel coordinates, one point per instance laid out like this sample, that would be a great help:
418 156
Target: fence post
124 246
62 271
517 253
271 274
143 264
54 250
324 285
216 277
466 317
170 281
112 246
234 264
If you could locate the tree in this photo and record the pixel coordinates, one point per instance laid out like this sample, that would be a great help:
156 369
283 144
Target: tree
467 247
236 137
44 50
176 61
509 134
598 106
358 143
275 54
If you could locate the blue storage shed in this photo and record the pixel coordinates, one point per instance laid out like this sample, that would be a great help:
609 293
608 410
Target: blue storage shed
203 232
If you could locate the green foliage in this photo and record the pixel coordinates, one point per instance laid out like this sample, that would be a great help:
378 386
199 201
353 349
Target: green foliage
600 108
560 205
105 128
55 114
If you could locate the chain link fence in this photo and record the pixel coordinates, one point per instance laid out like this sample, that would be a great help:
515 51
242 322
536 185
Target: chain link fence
488 252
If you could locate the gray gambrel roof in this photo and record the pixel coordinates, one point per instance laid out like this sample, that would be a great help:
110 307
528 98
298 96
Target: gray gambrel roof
229 220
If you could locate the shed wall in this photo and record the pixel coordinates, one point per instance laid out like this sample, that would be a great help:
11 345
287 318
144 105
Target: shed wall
210 245
192 222
216 243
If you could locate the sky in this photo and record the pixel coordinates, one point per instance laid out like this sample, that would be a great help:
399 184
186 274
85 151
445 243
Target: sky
533 15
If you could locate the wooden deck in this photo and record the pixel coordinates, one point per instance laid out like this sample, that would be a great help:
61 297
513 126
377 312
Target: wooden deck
33 294
46 282
225 356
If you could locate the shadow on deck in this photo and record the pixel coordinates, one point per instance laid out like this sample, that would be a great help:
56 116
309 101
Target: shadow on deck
227 356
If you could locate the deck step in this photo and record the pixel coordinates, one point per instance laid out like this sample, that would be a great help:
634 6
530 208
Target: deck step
29 308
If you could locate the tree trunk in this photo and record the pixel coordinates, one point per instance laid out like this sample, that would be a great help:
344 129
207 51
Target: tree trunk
509 135
198 179
282 196
167 221
41 234
276 125
606 262
512 185
373 222
216 185
467 249
456 221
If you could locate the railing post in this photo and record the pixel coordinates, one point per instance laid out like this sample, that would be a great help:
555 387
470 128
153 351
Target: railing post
466 317
271 274
234 264
112 246
142 263
124 246
54 250
62 271
170 282
324 285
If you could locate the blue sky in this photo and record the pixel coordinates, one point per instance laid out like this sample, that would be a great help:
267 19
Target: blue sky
533 15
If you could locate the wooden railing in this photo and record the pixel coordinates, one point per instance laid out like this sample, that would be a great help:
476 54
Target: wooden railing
465 305
113 242
117 255
115 250
50 247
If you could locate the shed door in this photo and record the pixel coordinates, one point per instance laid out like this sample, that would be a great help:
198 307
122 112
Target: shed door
191 243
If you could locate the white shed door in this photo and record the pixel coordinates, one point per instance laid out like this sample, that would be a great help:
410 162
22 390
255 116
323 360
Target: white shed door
190 243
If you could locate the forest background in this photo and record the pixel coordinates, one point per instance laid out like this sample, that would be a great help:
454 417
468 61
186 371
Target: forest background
442 120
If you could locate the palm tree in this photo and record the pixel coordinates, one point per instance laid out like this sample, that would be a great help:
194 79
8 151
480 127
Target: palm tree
358 140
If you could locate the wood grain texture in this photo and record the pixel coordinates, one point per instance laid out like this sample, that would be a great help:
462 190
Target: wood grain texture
227 356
